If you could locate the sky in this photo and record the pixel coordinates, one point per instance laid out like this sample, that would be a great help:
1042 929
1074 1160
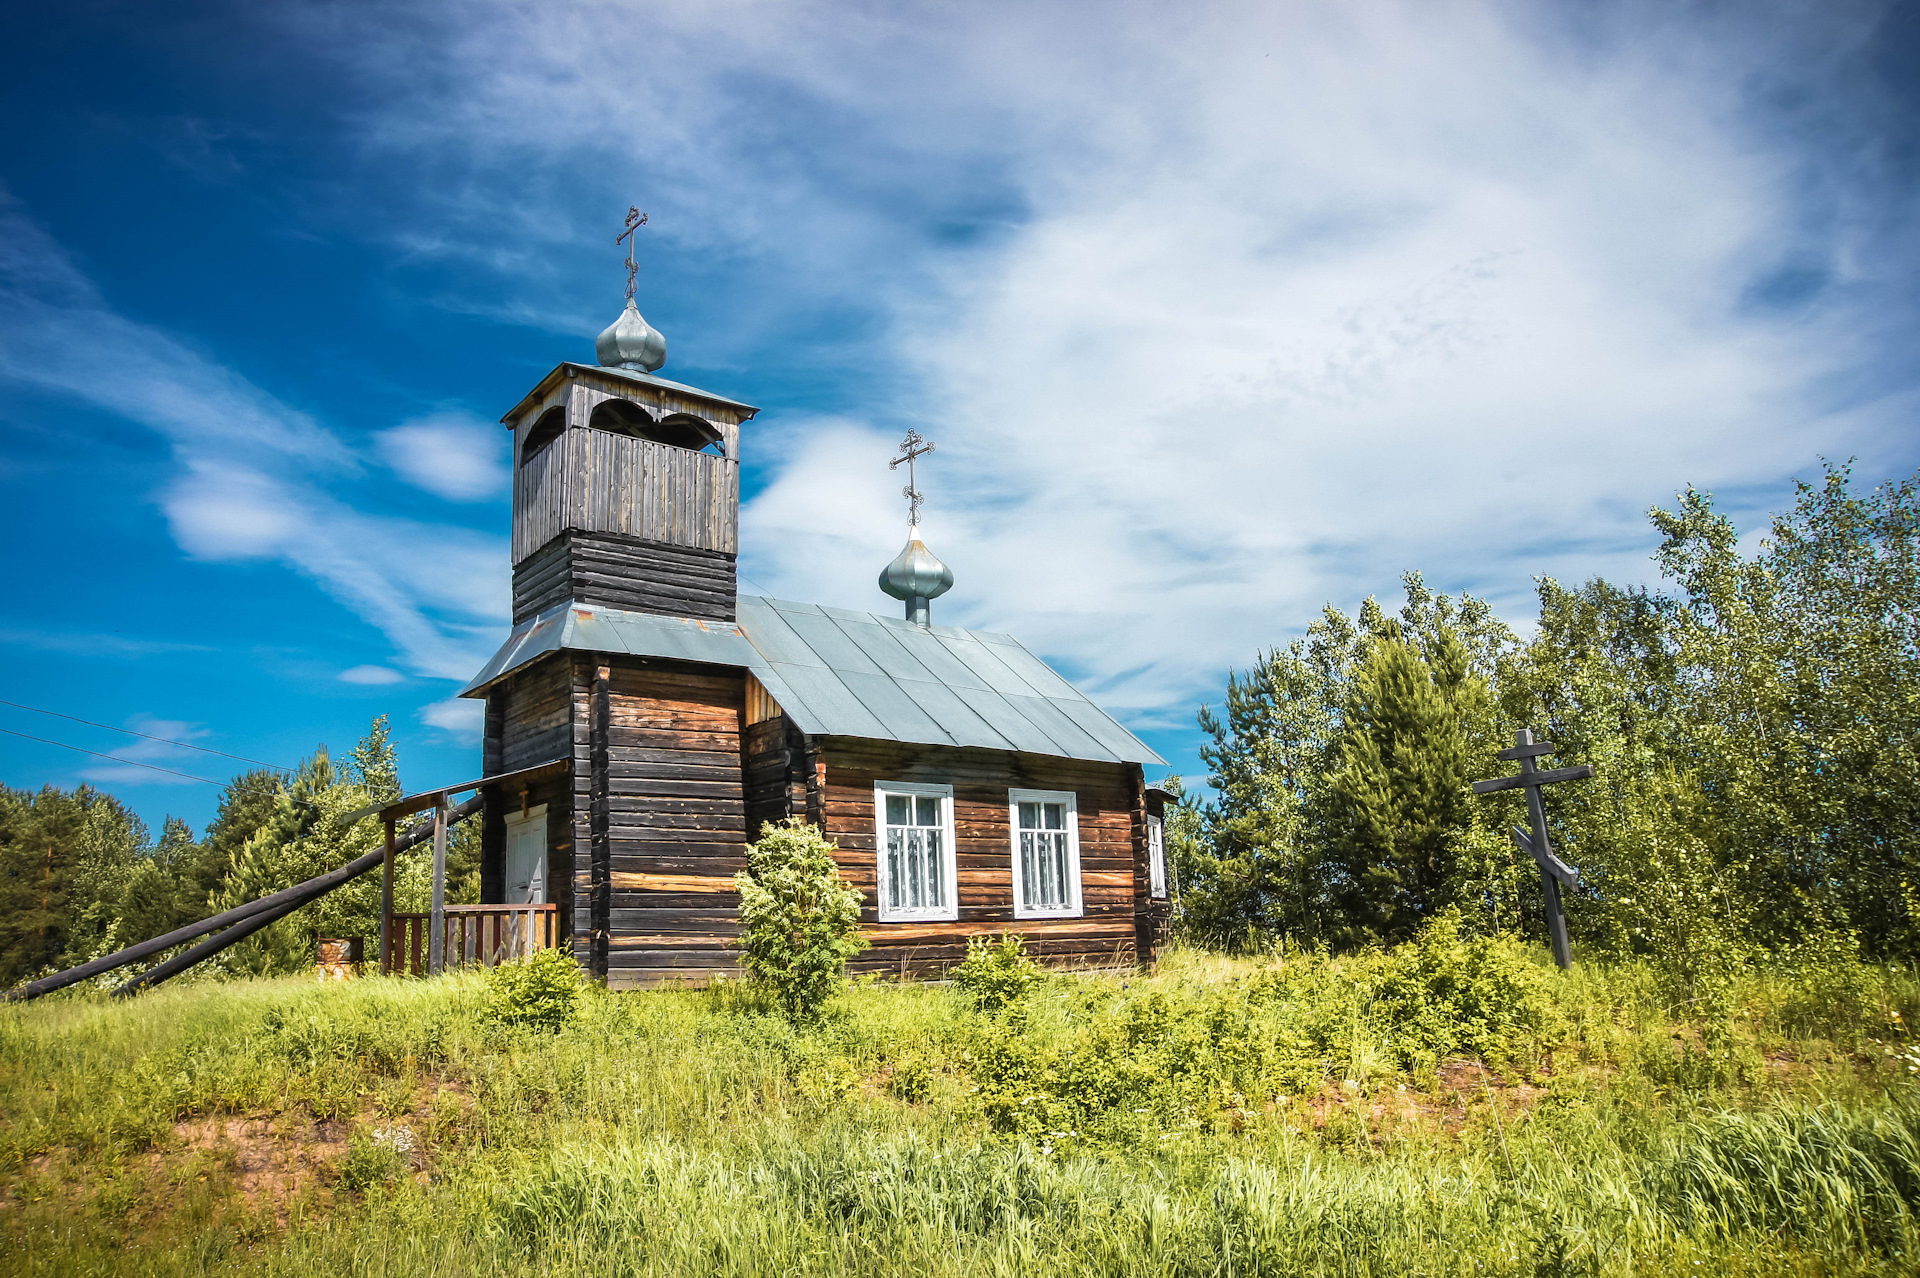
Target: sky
1218 313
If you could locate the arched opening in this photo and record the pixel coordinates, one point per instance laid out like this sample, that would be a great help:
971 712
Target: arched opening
544 432
684 430
620 417
681 430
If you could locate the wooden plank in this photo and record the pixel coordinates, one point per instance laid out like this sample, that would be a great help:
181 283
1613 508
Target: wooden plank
686 883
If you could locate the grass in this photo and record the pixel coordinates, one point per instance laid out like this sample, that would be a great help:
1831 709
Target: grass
1293 1116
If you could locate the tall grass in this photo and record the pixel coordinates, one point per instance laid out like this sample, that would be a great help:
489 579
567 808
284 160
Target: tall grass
1290 1115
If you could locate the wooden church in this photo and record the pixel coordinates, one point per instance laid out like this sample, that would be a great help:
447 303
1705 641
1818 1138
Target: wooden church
969 788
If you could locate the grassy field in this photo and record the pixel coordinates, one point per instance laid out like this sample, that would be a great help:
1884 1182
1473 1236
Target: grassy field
1296 1115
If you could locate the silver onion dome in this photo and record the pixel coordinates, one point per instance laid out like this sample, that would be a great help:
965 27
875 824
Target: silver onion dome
631 342
916 577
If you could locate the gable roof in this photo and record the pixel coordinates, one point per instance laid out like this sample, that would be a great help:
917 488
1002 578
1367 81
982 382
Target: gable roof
840 673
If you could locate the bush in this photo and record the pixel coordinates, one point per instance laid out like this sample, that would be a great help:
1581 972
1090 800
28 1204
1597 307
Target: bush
540 991
1442 994
799 924
996 976
374 1160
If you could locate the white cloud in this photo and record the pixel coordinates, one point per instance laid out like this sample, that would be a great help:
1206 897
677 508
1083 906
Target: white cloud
254 479
1247 307
1216 313
452 455
461 719
371 675
169 764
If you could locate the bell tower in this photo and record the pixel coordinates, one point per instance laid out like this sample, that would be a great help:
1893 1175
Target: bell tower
626 486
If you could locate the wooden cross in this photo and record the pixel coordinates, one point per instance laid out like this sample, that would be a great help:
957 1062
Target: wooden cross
911 449
635 220
1553 871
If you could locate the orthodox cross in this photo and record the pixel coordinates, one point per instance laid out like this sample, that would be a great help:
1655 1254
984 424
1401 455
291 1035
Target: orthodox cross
1553 871
911 449
635 220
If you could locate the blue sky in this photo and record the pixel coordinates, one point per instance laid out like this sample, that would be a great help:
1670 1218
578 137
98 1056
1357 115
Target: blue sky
1217 312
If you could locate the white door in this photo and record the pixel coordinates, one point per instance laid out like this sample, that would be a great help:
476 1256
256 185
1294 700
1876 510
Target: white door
527 857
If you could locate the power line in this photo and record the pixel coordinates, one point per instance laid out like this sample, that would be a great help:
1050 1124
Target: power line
130 732
116 758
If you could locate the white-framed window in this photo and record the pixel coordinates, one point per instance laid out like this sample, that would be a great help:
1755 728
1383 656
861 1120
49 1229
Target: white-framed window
913 829
526 877
1046 853
1156 858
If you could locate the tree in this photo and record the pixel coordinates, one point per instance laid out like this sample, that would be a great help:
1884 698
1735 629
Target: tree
1399 790
799 924
65 860
1273 852
306 834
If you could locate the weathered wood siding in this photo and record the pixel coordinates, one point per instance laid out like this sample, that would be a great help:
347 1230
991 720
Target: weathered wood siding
1112 850
598 481
782 774
530 721
1156 913
649 829
625 572
668 796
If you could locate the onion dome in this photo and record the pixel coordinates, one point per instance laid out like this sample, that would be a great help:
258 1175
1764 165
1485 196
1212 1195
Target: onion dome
631 342
916 577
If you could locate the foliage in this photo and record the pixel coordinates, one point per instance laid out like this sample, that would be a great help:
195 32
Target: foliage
65 860
370 1163
1275 1115
799 924
541 991
306 834
1399 785
79 879
1755 732
996 975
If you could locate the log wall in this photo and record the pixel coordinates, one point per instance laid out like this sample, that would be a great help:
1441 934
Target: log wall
675 824
1112 850
529 720
646 834
625 572
782 774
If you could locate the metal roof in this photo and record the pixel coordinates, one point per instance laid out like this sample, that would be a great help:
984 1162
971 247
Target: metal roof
568 367
840 673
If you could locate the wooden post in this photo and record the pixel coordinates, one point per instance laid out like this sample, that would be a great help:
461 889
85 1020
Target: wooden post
386 906
1549 887
1553 871
437 938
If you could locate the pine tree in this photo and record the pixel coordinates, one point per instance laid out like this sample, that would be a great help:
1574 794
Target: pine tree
1400 790
373 763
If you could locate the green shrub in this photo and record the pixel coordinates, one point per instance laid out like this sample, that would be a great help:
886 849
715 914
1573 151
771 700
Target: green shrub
540 992
996 975
1442 995
374 1160
911 1081
799 924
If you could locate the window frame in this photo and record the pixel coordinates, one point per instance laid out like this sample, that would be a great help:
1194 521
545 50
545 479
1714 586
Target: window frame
1156 858
1076 907
949 863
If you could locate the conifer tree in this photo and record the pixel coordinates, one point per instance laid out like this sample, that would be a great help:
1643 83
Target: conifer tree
1400 788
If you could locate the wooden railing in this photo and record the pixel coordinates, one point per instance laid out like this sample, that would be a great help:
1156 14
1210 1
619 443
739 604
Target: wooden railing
476 936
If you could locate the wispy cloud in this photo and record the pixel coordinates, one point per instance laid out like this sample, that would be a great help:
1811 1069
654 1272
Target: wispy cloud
1323 292
181 765
254 479
1216 313
371 676
452 455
